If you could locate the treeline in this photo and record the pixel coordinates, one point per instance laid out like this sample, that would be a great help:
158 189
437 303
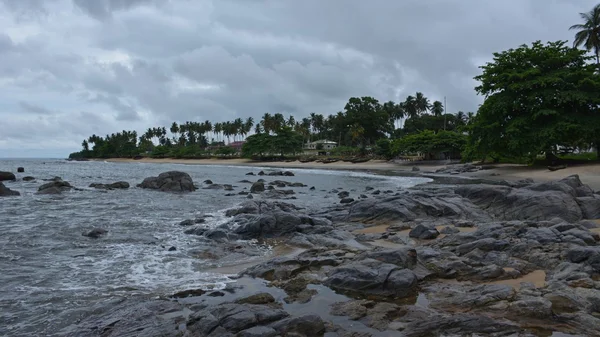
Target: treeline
360 125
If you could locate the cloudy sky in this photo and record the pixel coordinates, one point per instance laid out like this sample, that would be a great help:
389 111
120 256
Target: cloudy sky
71 68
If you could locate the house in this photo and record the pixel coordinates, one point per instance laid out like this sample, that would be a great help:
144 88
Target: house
326 145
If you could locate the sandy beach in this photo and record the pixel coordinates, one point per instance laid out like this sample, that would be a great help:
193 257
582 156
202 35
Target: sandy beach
589 174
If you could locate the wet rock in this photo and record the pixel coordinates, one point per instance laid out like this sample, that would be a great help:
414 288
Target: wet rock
346 200
28 178
261 173
257 187
172 181
249 196
288 174
7 192
54 187
187 223
403 257
258 331
20 169
416 169
213 187
424 232
189 293
343 194
232 318
250 173
307 325
260 298
95 233
116 185
278 194
373 278
172 248
228 187
312 188
7 176
449 230
363 196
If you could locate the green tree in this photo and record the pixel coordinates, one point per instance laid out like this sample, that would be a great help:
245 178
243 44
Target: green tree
437 108
588 34
368 114
538 98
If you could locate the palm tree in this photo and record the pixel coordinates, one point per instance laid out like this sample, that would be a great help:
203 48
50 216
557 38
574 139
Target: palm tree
437 108
461 117
410 107
588 34
422 103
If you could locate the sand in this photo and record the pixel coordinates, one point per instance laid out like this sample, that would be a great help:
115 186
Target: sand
589 173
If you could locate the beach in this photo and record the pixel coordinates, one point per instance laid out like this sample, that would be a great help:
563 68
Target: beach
588 173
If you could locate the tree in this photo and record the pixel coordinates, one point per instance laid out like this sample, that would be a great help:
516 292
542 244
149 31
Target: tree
588 34
368 114
410 107
422 103
437 108
538 98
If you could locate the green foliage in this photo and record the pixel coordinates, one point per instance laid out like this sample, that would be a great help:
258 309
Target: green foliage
284 142
319 146
345 151
538 97
384 148
368 120
430 144
225 151
417 124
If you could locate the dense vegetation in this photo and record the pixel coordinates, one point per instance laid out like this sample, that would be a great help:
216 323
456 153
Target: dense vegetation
540 99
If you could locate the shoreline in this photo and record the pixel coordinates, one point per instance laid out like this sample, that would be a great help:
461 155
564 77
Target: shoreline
588 173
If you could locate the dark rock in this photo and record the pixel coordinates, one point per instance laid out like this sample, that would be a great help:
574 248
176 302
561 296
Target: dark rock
376 192
189 293
258 331
117 185
233 318
373 278
343 194
7 192
228 187
20 170
54 187
312 188
95 233
416 169
288 174
424 232
172 248
346 200
275 173
250 173
257 187
4 176
260 298
216 294
363 196
188 222
172 181
28 178
208 182
307 325
249 196
213 187
450 230
261 173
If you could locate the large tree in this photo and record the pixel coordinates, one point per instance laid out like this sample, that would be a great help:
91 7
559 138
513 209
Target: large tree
588 34
369 114
538 97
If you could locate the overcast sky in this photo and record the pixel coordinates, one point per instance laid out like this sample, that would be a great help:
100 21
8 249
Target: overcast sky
72 68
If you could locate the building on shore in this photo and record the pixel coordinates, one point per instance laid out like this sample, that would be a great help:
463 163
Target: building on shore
326 145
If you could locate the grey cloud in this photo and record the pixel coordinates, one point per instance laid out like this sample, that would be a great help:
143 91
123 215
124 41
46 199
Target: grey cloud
102 9
125 111
34 109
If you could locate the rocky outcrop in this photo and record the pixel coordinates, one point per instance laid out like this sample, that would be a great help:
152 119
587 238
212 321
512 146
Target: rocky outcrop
257 187
7 176
172 181
7 192
55 187
117 185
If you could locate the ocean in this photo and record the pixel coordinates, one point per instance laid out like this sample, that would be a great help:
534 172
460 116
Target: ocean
52 276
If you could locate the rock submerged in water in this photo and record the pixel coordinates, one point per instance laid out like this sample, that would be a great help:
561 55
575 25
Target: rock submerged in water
28 178
117 185
20 169
7 192
54 187
7 176
172 181
95 233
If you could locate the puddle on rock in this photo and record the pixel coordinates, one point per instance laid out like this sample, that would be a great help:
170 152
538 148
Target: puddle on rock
537 277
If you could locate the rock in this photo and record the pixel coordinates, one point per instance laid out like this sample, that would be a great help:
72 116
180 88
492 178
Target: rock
172 248
172 181
95 233
189 293
416 169
261 173
228 187
288 174
250 173
307 325
312 188
28 178
257 187
249 196
343 194
363 196
7 192
4 176
423 232
232 318
258 331
260 298
373 278
213 187
346 200
450 230
117 185
54 187
208 182
188 222
20 170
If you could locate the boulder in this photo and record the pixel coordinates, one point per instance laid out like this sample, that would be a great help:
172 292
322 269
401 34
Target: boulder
371 277
424 232
4 176
95 233
28 178
288 174
117 185
250 173
307 325
343 194
7 192
257 187
347 200
172 181
20 169
54 187
221 319
416 169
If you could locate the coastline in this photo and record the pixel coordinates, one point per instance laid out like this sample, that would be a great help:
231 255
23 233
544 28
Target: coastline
588 173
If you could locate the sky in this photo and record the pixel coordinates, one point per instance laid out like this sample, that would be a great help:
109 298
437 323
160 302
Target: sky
73 68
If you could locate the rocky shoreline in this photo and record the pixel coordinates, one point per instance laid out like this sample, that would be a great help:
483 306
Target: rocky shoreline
447 258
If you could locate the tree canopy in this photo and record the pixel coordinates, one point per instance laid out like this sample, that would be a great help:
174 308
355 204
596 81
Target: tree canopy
538 97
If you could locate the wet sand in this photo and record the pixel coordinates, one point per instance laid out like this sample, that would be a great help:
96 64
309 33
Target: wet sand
537 277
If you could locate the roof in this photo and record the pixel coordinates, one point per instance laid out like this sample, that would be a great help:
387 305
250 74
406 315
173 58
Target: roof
323 141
